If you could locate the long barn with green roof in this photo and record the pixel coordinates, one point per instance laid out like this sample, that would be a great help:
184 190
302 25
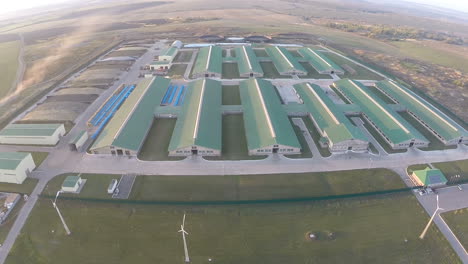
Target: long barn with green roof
127 130
331 123
198 127
284 61
247 62
438 123
396 131
209 63
267 126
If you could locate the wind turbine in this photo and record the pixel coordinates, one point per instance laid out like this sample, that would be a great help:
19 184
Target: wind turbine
182 230
432 218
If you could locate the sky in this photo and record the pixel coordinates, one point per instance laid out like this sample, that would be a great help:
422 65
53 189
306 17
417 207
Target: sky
15 5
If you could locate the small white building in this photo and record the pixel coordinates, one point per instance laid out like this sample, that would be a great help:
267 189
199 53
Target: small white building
15 166
72 184
32 134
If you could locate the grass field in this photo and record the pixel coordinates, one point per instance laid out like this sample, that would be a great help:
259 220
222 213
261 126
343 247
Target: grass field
230 71
456 220
234 140
157 142
231 95
433 52
177 71
270 71
371 230
312 73
183 56
453 168
305 153
9 52
361 73
435 143
26 187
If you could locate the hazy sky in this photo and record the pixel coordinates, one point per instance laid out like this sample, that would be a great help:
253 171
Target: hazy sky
14 5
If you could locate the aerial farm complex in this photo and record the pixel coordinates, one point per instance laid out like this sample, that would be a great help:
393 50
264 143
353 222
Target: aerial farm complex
272 88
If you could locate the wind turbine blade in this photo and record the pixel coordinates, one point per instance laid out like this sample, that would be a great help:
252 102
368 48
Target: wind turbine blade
183 221
185 232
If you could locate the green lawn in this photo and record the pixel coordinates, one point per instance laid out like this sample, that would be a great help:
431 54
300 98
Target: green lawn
230 71
305 153
456 220
183 56
157 142
361 73
312 73
263 187
234 140
371 230
9 52
26 187
231 95
435 143
270 71
177 71
452 169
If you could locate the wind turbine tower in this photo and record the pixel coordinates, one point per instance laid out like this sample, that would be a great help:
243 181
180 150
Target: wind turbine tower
182 230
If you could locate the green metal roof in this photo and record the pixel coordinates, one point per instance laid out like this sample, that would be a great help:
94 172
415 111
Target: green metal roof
430 176
209 59
128 127
283 60
266 122
199 124
319 61
247 60
70 181
436 119
171 51
11 160
397 129
327 115
30 130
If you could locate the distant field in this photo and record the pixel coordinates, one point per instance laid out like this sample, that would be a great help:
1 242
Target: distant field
157 142
370 230
360 72
9 52
433 52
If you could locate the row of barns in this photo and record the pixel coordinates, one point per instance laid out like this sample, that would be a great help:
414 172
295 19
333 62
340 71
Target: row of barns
209 62
198 129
